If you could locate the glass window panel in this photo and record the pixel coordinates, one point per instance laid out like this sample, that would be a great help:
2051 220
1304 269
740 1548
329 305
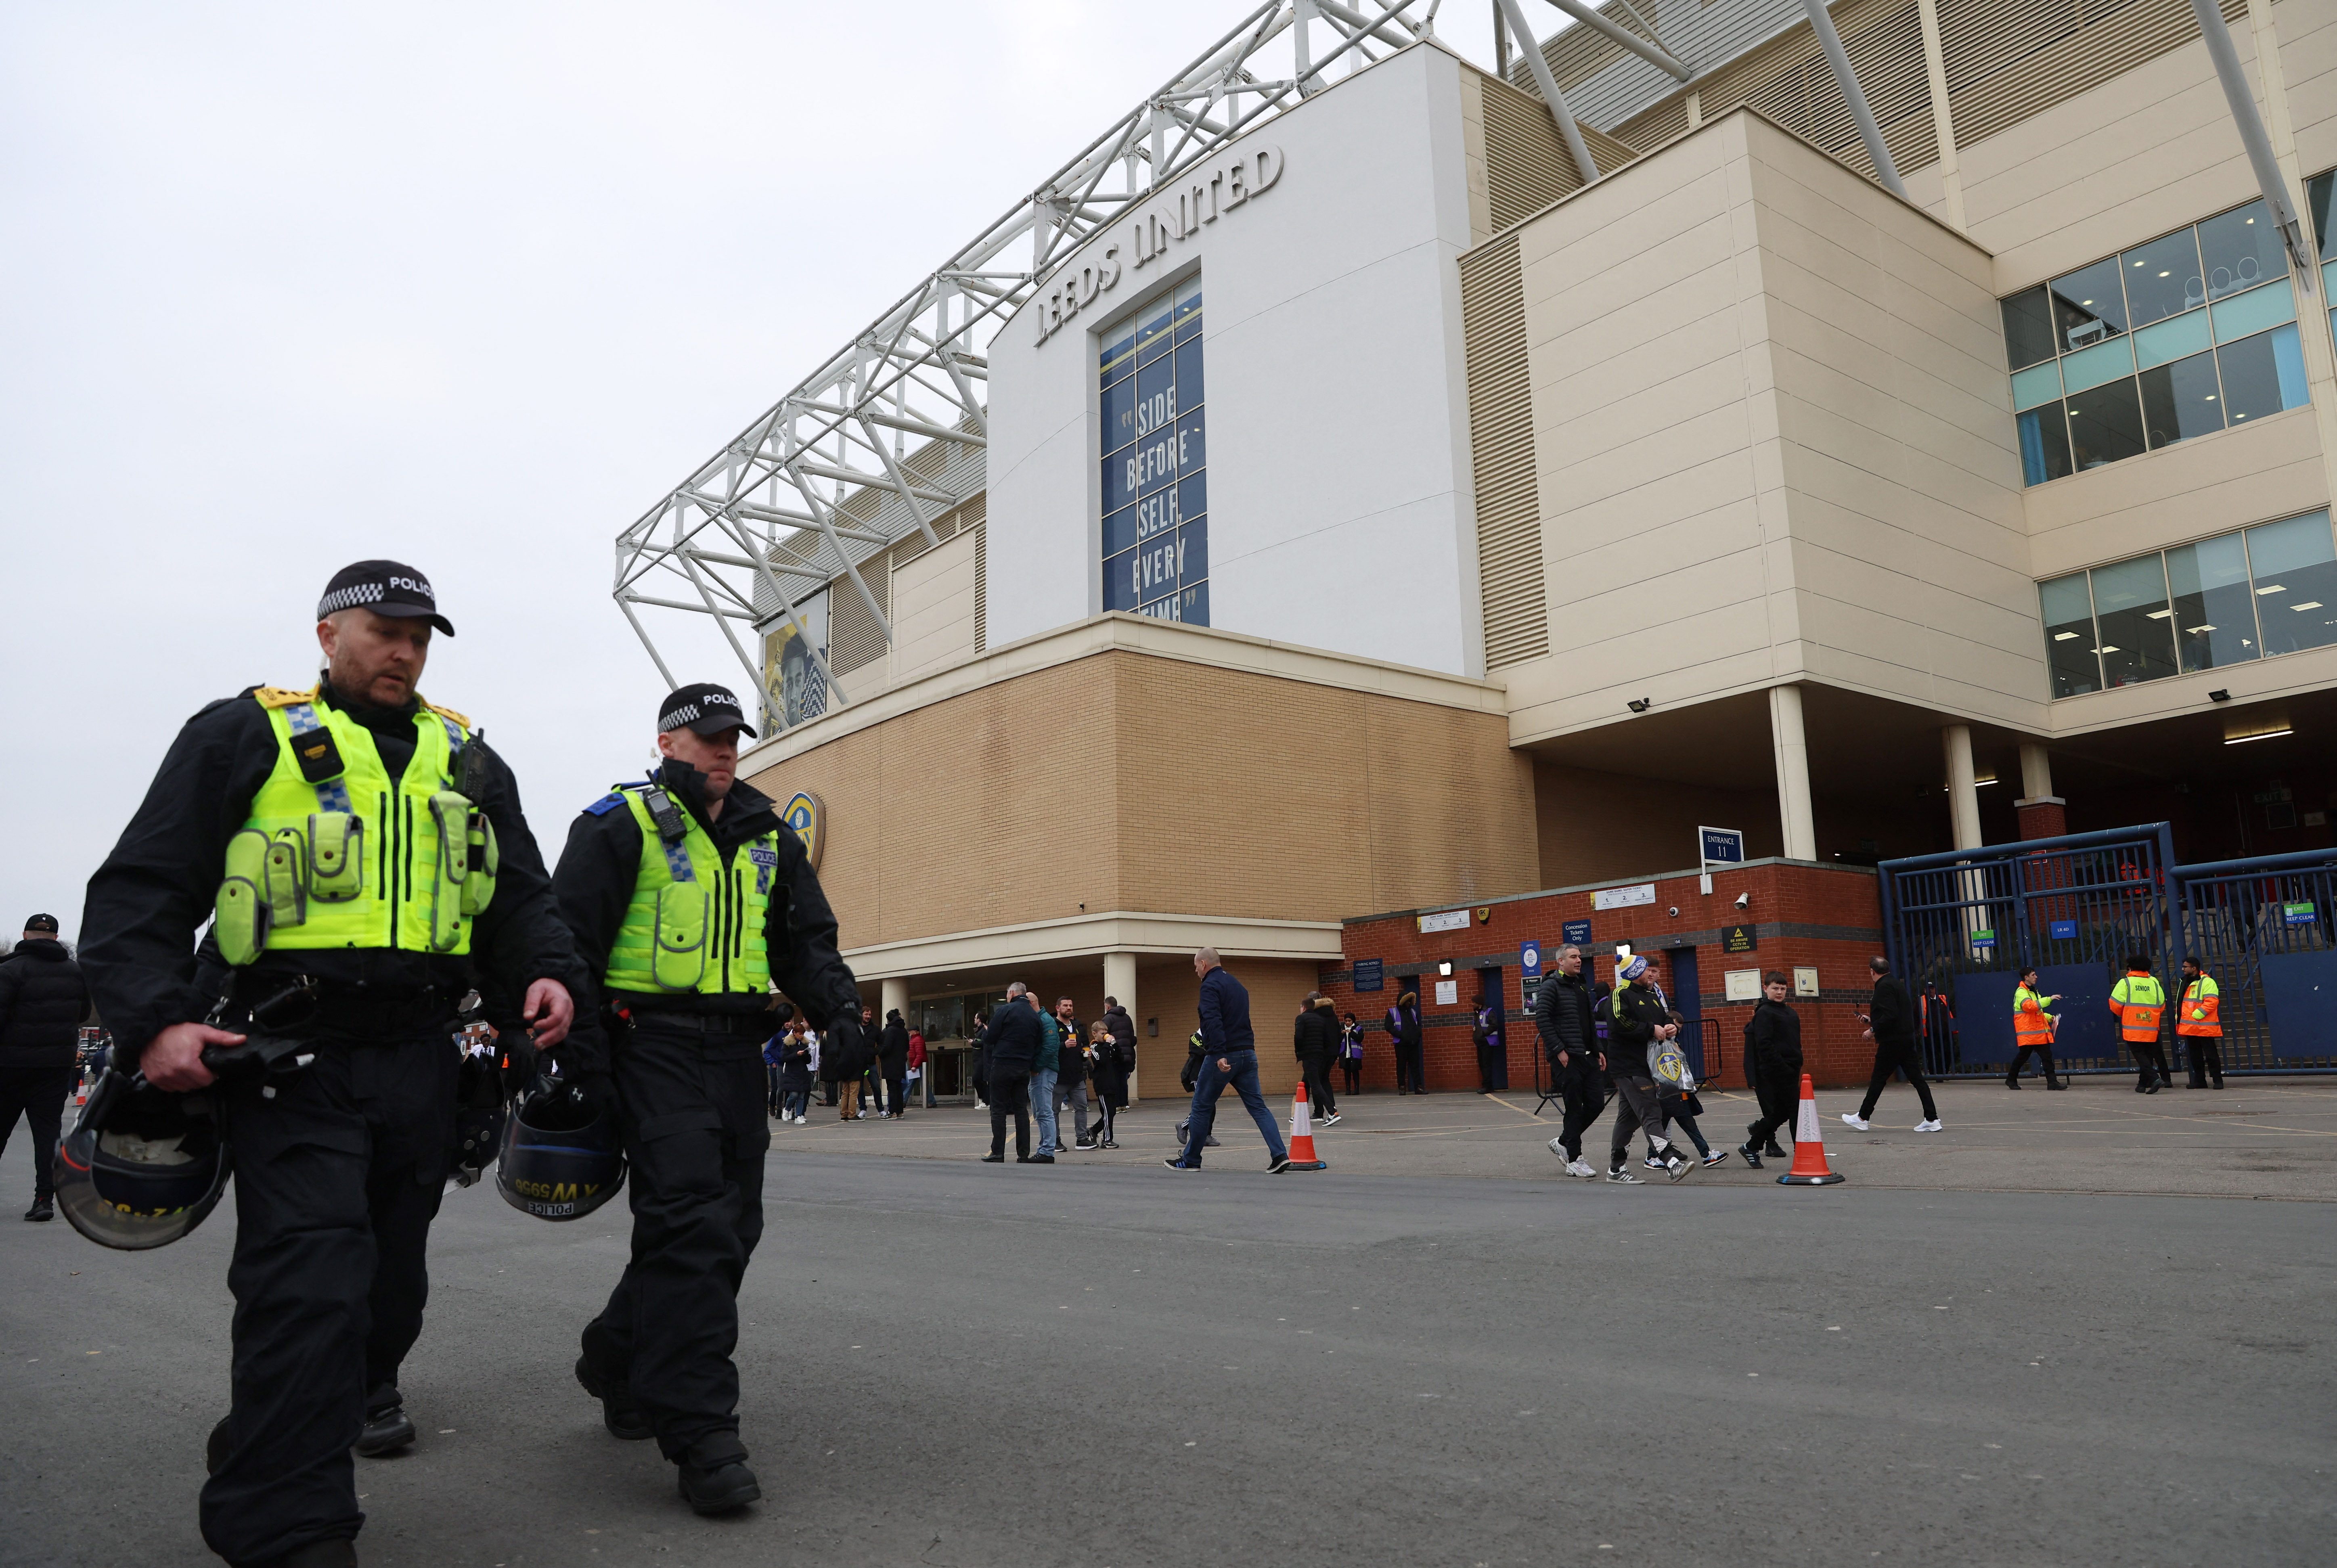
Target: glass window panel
2089 305
1152 326
2028 327
2069 608
2163 278
2262 374
1155 515
2240 249
2181 400
1118 530
2173 339
2130 606
2316 199
1156 460
1117 353
1156 571
2038 384
1192 442
2105 425
1119 581
1118 480
1120 412
1191 606
1193 541
1193 495
2254 310
2294 565
2215 610
2102 362
2044 444
1155 395
1188 374
1188 309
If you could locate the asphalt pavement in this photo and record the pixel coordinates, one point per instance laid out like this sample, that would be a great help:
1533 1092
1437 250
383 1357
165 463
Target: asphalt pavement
950 1363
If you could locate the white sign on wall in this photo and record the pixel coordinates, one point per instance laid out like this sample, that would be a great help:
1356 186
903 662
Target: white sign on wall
1448 993
1623 898
1457 919
1744 985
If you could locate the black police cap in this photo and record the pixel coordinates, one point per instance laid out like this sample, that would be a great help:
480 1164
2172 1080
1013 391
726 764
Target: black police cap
387 588
704 709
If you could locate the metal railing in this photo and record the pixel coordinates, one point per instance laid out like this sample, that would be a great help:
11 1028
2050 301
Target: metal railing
2265 929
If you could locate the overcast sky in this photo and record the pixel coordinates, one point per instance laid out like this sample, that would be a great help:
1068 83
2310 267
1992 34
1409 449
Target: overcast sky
467 286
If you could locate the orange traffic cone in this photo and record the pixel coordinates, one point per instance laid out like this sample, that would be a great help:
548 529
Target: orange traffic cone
81 1090
1301 1136
1810 1168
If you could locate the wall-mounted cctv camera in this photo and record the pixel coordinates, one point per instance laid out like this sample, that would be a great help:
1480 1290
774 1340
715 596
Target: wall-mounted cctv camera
1744 900
1675 911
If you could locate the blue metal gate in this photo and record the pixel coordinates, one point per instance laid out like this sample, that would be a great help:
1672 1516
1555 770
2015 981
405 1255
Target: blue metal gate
2266 930
1960 926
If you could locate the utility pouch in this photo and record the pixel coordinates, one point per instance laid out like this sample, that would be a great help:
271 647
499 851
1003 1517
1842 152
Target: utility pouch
677 960
239 910
450 814
336 857
283 882
484 859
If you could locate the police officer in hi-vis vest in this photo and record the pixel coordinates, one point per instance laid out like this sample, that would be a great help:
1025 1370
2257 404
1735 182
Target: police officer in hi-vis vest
2032 1029
2139 1001
2199 1023
362 857
688 898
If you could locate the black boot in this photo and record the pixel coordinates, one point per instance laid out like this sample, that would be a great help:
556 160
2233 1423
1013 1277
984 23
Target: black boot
215 1448
2056 1083
40 1210
2012 1082
713 1475
337 1553
388 1427
1772 1150
619 1414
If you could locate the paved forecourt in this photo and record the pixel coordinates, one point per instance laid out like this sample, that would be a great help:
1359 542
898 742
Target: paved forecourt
952 1363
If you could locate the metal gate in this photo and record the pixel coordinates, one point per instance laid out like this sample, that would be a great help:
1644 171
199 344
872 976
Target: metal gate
1960 926
2266 930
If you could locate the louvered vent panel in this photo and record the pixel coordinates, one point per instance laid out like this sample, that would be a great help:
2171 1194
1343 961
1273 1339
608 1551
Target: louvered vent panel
1526 166
1501 433
2007 60
981 577
854 640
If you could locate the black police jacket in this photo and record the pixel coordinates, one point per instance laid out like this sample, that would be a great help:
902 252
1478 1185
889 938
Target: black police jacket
595 884
43 1001
155 891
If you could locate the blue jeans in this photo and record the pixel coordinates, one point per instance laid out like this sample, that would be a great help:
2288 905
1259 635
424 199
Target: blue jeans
1242 1073
1042 1109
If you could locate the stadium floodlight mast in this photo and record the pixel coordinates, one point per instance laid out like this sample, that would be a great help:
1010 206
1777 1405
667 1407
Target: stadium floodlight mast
766 513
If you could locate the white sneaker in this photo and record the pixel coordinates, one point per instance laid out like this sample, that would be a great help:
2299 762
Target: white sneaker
1584 1169
1854 1120
1559 1149
1930 1126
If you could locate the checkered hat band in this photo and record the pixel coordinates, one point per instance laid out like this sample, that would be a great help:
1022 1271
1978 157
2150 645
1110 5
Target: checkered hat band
348 598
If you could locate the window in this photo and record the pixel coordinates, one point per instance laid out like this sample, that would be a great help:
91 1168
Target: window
2270 589
2181 337
1156 482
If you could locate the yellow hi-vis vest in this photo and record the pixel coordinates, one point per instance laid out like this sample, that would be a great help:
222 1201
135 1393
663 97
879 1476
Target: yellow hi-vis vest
2202 1009
694 923
338 854
2138 1000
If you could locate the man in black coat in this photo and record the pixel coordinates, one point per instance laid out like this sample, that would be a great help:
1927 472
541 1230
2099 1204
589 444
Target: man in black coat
1773 1065
1010 1047
1317 1037
893 1062
43 1001
1562 1014
1891 1023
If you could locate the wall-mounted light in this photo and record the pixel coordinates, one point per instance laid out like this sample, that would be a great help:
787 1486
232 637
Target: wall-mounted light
1640 704
1443 970
2258 735
2219 696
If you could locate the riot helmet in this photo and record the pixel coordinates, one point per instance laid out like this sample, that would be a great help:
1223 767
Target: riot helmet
142 1166
562 1155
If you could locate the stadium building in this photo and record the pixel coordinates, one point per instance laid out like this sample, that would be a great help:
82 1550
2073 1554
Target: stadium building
1368 480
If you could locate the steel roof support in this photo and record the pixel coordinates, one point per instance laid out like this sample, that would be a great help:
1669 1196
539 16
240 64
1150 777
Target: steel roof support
1589 18
1846 79
1568 131
2243 100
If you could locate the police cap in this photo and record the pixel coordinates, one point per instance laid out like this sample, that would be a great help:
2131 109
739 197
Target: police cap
704 709
387 588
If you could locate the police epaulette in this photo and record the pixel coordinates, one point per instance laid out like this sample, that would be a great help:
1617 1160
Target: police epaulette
461 718
606 803
277 697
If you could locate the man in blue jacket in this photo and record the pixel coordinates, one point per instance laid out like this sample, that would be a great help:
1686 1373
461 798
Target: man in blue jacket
1229 1056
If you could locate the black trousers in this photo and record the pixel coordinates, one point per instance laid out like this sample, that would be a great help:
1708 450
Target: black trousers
896 1093
1317 1071
1492 1066
337 1179
1010 1095
2205 1052
1353 1071
1779 1095
38 1094
695 1141
2150 1056
1409 1072
1581 1094
2044 1053
1898 1057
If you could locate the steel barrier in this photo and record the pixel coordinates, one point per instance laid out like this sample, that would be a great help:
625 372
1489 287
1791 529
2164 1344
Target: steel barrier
2265 929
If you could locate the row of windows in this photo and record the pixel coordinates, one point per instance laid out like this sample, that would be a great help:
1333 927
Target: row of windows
1155 453
2179 336
2271 589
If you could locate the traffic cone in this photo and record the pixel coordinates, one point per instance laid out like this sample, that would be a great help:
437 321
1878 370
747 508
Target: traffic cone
1810 1168
81 1090
1301 1135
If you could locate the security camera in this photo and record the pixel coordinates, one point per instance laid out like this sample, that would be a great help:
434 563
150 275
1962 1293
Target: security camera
1744 900
1674 911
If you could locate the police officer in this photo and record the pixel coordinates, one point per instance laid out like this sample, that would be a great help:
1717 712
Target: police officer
363 857
2139 1001
2199 1021
688 898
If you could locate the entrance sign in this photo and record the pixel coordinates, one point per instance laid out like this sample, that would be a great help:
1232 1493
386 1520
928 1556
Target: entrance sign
1716 847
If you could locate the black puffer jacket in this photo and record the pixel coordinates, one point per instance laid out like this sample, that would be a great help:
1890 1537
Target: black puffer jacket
1773 1042
43 1002
1316 1034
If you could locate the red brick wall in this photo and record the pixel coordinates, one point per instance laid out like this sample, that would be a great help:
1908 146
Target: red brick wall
1825 918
